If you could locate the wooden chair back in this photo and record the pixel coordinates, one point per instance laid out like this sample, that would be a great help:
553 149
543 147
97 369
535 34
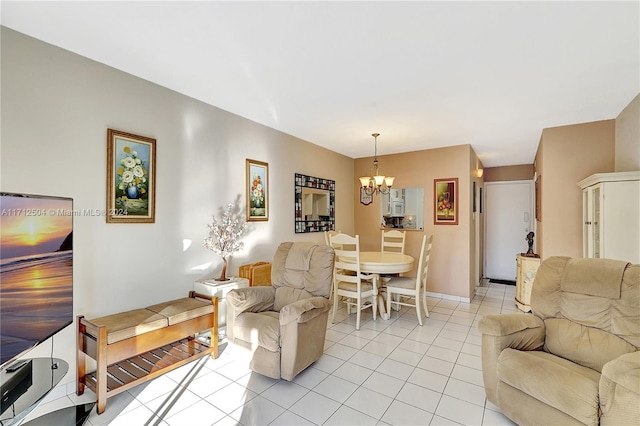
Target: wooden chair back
393 241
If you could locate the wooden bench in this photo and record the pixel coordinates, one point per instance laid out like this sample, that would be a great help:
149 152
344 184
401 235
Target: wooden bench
133 347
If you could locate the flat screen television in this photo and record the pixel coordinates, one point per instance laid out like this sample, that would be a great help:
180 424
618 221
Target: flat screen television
36 270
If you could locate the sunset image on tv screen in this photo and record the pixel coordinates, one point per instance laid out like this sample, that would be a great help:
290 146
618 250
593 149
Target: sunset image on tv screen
36 270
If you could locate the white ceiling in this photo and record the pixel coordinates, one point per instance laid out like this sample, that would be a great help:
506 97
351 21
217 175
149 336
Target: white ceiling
422 74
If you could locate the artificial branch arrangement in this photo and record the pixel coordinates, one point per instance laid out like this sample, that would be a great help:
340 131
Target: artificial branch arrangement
224 235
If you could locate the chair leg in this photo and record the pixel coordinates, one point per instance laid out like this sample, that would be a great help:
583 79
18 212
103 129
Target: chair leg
424 300
418 313
359 309
374 305
396 298
335 307
389 303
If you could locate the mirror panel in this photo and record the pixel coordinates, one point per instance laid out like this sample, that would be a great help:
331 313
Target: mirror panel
314 204
403 208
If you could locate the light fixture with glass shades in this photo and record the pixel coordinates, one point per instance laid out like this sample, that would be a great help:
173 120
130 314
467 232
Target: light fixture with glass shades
376 184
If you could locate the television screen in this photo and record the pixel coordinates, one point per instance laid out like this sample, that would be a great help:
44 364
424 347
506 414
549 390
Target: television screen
36 270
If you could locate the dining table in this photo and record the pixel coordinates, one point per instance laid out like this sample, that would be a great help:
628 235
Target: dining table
378 262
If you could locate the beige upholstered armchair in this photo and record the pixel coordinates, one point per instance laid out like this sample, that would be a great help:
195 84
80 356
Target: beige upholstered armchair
284 325
575 359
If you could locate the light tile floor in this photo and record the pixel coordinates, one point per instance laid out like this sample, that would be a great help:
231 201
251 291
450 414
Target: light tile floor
392 372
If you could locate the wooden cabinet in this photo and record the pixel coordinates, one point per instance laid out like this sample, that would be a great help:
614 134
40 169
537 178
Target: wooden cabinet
525 274
611 216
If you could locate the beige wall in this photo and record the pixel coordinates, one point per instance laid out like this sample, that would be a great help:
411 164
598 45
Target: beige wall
505 173
451 264
537 167
476 228
56 107
568 154
628 138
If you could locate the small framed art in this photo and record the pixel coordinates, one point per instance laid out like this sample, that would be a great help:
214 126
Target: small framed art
257 191
131 178
445 201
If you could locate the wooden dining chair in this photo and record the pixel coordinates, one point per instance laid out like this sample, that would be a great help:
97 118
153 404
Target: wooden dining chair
327 239
392 241
412 288
359 290
328 234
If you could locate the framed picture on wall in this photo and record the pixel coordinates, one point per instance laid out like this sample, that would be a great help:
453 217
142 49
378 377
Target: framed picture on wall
131 178
257 191
445 201
474 196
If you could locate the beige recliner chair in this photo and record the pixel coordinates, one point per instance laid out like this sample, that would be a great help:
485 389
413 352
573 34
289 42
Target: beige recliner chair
284 325
575 359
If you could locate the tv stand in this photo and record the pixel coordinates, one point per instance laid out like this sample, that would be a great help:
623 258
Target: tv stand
74 415
23 395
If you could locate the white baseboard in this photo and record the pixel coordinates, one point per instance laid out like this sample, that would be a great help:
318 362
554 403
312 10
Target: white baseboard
449 297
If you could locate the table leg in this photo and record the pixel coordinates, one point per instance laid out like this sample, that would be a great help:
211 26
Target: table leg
382 308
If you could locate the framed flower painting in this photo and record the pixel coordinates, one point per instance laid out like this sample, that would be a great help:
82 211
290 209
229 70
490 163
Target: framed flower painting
257 191
445 203
131 178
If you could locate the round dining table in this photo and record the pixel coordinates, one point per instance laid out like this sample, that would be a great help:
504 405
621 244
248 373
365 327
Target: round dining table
377 262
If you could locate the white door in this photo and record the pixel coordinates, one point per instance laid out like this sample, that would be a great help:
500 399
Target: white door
508 220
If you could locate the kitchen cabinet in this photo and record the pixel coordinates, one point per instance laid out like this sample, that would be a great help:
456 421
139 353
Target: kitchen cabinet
394 202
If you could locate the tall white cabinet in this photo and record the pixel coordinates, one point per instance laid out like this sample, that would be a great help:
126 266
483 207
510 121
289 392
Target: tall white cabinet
611 216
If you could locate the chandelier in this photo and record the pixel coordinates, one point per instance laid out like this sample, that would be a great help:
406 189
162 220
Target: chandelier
376 184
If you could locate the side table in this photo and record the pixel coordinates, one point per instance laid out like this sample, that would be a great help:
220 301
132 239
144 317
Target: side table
219 289
526 273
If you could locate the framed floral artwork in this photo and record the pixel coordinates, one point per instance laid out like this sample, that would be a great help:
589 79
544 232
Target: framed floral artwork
131 178
257 191
445 201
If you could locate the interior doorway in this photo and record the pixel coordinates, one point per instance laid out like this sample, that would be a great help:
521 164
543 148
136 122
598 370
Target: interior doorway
508 219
